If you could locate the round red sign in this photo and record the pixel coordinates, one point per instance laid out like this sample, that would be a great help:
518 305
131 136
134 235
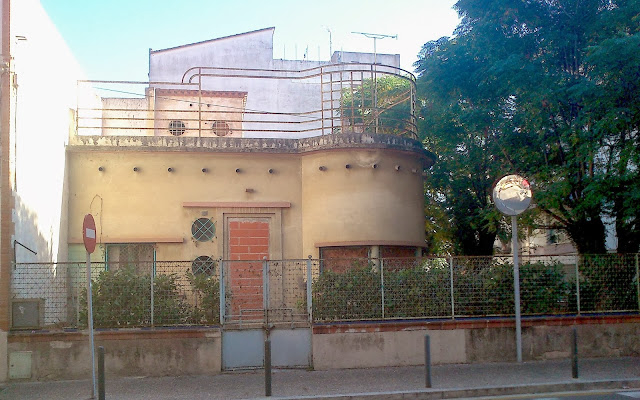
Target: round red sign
89 233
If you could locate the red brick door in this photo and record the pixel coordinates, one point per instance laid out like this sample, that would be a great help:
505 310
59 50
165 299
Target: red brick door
247 246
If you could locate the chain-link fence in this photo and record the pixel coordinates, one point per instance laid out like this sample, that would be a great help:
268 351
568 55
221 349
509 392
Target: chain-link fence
162 293
124 294
452 287
281 285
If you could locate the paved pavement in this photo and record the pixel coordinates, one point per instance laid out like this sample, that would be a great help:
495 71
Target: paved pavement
448 381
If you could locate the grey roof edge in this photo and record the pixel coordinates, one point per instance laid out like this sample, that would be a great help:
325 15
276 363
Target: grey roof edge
151 51
252 145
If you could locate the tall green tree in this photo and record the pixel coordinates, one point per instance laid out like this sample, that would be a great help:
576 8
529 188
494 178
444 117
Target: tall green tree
544 88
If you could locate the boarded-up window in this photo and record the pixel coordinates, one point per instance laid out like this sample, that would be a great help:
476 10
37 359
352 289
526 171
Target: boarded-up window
139 256
343 258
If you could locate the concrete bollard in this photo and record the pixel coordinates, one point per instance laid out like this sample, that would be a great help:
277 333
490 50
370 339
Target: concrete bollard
267 367
427 361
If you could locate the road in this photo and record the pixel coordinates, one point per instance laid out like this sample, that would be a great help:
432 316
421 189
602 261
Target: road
588 395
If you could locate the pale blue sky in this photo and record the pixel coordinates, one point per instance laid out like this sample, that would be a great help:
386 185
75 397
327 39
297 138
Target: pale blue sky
111 39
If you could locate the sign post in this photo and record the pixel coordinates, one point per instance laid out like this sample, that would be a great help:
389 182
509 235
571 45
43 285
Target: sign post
89 239
512 196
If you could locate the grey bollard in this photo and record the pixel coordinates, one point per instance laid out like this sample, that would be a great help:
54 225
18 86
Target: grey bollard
427 361
574 354
100 373
267 367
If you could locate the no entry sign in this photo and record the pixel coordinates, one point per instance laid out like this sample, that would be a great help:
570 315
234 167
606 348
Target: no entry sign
89 233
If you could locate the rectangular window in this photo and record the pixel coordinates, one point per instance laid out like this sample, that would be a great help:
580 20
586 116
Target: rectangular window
138 256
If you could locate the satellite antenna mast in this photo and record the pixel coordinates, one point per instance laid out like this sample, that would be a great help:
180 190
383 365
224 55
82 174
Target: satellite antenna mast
375 37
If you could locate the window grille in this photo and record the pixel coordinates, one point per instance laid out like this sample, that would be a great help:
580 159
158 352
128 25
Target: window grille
203 230
220 128
177 128
203 265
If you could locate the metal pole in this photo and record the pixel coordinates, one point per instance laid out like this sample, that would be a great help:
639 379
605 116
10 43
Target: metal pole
101 373
427 361
152 299
267 367
574 354
222 294
453 307
516 287
265 289
199 103
375 83
309 288
638 280
578 283
382 284
90 322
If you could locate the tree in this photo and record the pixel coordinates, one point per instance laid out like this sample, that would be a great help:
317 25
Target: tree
537 87
393 112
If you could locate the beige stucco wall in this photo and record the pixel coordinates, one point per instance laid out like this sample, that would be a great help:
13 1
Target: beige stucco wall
381 349
379 205
374 347
307 207
148 205
154 353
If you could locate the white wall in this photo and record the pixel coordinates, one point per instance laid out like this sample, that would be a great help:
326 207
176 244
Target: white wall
254 50
44 92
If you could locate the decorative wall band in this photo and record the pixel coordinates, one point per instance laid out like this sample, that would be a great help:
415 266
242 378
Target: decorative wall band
236 204
370 243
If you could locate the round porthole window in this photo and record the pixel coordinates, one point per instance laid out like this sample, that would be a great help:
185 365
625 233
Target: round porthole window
203 265
220 128
177 128
203 229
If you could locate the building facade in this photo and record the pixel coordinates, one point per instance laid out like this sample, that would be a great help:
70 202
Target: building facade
225 136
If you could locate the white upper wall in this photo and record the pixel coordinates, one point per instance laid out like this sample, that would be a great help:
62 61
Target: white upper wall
246 50
289 101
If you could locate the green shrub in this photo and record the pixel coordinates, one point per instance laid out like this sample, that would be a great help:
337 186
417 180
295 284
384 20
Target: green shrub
354 294
121 298
543 289
608 283
206 289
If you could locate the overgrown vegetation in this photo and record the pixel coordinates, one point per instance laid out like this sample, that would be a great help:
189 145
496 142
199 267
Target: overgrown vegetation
424 291
121 299
206 308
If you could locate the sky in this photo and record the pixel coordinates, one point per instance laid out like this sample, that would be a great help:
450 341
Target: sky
111 39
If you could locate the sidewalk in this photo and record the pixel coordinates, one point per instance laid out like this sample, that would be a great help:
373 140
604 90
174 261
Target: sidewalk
449 381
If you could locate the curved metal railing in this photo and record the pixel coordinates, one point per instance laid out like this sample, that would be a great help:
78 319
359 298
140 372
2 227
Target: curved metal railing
240 102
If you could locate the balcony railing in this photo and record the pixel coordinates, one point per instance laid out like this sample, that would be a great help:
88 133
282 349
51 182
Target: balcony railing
254 103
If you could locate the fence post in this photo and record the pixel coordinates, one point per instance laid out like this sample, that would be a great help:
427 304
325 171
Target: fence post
222 293
453 306
382 284
638 280
265 288
309 288
152 299
578 283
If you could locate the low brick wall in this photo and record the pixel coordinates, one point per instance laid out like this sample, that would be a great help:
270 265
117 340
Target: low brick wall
158 352
357 345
